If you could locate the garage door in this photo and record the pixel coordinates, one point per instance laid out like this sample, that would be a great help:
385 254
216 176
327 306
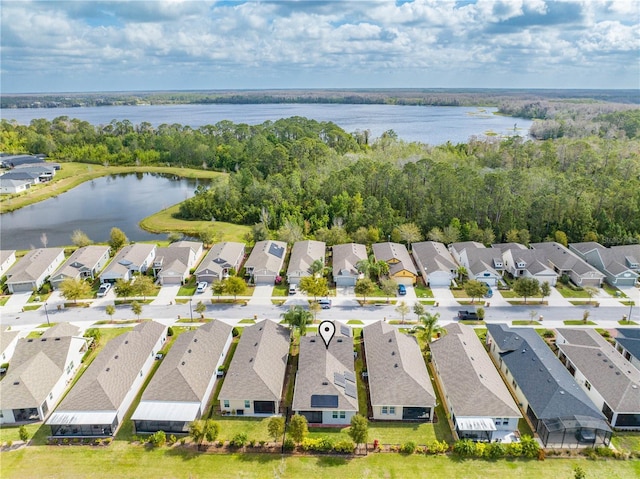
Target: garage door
405 281
171 280
22 287
264 279
345 281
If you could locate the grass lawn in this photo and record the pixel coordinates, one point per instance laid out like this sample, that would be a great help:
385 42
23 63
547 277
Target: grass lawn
567 292
525 323
578 322
522 303
354 321
280 290
629 441
3 300
165 222
512 294
625 322
423 291
254 428
124 461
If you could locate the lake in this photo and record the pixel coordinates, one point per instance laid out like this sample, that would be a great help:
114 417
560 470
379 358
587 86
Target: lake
95 207
434 125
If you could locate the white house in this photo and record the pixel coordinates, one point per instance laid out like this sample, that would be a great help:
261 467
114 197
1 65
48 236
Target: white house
31 271
482 264
7 258
85 262
220 260
303 255
133 258
435 263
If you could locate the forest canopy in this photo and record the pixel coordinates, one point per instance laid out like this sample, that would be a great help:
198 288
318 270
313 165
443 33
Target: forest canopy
298 178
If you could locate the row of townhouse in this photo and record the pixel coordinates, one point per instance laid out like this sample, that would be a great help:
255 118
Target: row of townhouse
25 171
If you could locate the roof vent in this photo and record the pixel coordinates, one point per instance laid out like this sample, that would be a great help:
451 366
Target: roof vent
325 383
256 344
390 340
115 357
339 340
29 340
183 363
195 340
393 353
312 340
57 339
189 351
126 342
16 383
395 365
108 369
561 392
251 360
43 339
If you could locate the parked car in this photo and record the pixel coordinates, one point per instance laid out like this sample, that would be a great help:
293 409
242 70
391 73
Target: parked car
489 293
402 289
103 289
202 287
467 315
325 303
586 435
292 289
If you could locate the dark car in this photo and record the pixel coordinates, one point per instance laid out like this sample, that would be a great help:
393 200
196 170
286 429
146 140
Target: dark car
467 315
402 289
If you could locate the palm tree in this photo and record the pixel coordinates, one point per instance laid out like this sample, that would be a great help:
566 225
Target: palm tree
462 272
317 267
430 325
297 318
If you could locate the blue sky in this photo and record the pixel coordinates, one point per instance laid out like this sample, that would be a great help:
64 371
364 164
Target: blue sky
58 46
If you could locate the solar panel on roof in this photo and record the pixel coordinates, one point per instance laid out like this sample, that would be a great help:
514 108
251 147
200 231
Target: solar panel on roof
345 330
338 379
276 250
350 390
324 400
349 376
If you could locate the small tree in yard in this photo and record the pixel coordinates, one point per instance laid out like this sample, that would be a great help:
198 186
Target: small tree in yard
591 291
419 309
314 286
234 285
545 290
298 428
585 317
110 310
526 287
389 288
314 308
117 239
297 318
364 287
359 430
275 427
430 325
403 309
211 430
73 289
23 433
218 288
136 308
475 289
200 308
123 289
143 286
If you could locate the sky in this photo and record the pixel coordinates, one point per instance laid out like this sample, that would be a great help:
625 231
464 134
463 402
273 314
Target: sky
84 46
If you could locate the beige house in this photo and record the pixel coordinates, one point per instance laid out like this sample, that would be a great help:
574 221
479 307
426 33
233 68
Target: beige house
401 267
220 260
133 258
345 259
303 255
31 271
265 261
7 258
435 263
172 265
85 262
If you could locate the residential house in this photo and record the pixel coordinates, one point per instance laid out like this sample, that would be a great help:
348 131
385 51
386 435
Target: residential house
563 261
611 381
522 262
265 261
401 267
559 410
222 258
345 259
85 262
476 398
8 342
253 384
182 386
399 383
133 258
325 390
628 344
13 161
303 255
35 174
619 264
7 258
482 264
32 270
97 403
172 265
39 373
435 263
11 187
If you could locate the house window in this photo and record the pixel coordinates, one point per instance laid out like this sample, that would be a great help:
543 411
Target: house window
247 404
140 373
343 414
392 410
334 415
385 410
226 403
587 385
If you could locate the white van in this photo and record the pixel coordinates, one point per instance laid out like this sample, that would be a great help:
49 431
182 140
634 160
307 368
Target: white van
292 289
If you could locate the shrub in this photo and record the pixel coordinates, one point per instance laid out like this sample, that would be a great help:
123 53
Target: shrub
235 333
495 450
158 439
437 447
548 333
603 451
530 446
262 443
464 448
480 449
172 439
325 444
514 449
170 331
9 444
408 447
183 441
344 447
252 442
239 440
289 445
23 433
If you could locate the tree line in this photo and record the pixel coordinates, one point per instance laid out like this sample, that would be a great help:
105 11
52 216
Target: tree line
295 178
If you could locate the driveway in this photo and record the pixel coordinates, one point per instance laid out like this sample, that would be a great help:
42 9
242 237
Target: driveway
167 294
443 296
16 302
262 295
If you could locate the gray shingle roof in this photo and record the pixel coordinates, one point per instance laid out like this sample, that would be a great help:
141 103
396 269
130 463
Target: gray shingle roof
566 260
615 260
133 254
220 256
345 258
267 257
189 366
303 254
259 364
173 261
61 329
479 257
396 255
549 388
106 382
472 383
434 256
6 338
33 264
615 378
82 259
317 370
397 371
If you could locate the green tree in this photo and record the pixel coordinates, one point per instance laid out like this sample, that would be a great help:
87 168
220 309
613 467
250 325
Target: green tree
359 430
429 325
317 268
275 427
545 290
462 273
123 289
110 309
419 309
80 238
117 239
314 286
526 287
389 288
218 288
561 237
298 428
591 292
73 289
200 308
235 286
578 473
475 289
211 430
409 233
196 431
364 287
585 316
208 235
297 318
23 433
136 308
403 309
314 308
143 286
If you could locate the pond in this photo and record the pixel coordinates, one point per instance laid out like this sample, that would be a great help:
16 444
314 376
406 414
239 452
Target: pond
95 207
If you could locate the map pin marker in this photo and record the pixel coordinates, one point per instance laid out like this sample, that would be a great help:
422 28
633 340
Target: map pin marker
327 330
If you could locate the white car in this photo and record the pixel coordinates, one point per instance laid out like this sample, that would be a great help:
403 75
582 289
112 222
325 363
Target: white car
202 287
103 289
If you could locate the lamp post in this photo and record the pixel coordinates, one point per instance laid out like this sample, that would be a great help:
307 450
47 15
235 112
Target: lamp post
47 314
190 310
